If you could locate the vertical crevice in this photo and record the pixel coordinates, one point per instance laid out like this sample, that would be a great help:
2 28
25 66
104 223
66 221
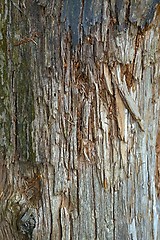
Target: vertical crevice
15 115
94 205
16 123
78 207
60 224
71 227
114 215
50 208
128 9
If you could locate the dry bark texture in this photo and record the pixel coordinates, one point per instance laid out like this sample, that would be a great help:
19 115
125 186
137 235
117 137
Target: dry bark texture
79 92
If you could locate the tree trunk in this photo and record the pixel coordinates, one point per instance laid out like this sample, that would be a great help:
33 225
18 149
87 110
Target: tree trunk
79 90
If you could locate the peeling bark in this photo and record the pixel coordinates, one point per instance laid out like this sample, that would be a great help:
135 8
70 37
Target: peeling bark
79 113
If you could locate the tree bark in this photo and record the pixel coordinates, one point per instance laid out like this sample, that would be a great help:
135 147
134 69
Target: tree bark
79 117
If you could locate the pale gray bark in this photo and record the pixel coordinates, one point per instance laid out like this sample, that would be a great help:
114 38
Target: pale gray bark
79 120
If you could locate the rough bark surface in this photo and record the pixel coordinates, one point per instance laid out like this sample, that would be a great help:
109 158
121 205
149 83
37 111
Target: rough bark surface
79 92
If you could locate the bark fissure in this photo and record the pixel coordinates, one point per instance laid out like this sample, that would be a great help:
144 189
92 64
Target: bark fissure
79 119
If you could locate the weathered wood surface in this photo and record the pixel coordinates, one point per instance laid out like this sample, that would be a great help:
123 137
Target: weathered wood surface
79 102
